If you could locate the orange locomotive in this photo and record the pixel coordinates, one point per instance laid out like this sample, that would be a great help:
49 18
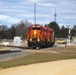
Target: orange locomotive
39 36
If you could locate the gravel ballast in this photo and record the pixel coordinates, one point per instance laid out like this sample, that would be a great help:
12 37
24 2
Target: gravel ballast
13 54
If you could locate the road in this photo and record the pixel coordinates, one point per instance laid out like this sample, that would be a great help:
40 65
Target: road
61 67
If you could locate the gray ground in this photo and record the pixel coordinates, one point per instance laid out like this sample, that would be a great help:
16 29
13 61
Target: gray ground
14 52
8 56
23 52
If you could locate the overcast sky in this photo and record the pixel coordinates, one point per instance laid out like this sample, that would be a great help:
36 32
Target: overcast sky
13 11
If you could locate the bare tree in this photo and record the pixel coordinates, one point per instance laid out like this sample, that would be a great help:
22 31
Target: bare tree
4 32
21 29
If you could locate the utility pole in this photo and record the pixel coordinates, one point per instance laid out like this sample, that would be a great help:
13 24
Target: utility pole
69 34
35 13
55 15
69 31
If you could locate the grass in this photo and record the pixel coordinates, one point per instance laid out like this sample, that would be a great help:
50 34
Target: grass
39 57
62 53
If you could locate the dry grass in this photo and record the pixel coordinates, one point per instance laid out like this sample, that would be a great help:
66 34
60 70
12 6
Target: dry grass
38 57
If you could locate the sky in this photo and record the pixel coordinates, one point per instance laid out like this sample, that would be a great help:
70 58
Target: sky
13 11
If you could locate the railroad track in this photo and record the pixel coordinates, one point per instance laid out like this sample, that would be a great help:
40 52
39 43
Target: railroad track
9 51
12 52
20 49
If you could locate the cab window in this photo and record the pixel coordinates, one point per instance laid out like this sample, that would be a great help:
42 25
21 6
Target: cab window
36 28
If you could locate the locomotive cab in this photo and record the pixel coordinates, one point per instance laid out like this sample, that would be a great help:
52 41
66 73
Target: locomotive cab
35 34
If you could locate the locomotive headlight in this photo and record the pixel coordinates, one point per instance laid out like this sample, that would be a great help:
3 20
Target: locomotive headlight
35 32
38 40
30 39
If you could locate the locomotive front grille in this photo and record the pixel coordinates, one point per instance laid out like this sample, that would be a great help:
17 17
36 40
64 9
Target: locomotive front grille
34 39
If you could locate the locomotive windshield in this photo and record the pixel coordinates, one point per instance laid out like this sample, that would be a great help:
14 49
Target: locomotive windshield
35 28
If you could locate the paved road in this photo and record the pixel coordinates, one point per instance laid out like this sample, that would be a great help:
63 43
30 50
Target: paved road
62 67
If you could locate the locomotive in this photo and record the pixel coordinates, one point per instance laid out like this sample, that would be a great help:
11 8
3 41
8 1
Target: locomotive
40 36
